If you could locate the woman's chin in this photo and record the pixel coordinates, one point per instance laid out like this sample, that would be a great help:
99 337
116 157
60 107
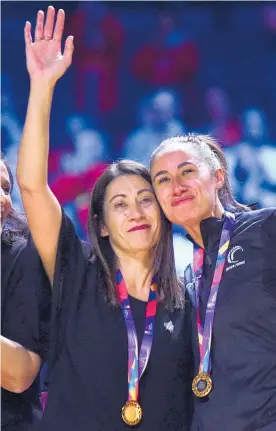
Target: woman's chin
186 217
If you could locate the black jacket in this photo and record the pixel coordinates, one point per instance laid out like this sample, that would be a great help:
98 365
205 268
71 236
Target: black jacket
243 350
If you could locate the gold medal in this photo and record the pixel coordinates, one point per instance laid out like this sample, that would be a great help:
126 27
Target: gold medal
202 385
132 413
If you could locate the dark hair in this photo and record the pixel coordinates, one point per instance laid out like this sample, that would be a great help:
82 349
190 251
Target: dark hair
213 155
169 290
15 227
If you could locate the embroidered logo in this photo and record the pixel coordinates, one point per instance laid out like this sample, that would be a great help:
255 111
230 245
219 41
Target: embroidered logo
169 326
233 259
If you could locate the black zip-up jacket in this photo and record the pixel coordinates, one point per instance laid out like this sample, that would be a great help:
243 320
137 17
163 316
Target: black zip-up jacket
243 349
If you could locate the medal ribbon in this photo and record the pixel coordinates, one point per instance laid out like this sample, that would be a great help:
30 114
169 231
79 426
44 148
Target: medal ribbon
205 333
137 363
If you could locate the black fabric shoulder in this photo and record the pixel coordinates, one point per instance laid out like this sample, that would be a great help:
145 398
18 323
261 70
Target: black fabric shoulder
27 297
269 225
72 254
72 260
269 255
261 215
265 222
9 256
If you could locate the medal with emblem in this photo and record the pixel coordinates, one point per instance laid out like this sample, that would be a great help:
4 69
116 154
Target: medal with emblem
202 384
132 411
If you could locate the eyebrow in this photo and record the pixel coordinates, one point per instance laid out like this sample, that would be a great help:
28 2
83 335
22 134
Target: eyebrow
144 190
117 196
181 165
122 195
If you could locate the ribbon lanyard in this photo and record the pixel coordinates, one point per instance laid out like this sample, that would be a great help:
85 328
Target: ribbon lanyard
205 333
136 363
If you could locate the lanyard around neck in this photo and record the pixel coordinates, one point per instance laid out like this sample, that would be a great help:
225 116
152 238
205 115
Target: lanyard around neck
137 363
205 332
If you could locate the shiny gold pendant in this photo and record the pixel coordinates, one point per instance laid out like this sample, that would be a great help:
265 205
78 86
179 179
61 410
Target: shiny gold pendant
132 413
202 385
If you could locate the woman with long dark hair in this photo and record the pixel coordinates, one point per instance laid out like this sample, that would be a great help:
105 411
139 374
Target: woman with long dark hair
24 295
232 284
120 346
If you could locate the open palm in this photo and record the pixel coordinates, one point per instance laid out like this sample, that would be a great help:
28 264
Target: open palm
44 57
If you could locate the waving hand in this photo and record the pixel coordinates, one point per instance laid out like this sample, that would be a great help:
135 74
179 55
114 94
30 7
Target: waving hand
45 61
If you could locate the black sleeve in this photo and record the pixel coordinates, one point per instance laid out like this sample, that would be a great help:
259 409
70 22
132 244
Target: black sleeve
70 270
190 361
269 258
269 227
27 303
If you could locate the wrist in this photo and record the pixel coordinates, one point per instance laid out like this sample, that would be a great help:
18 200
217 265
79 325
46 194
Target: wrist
42 85
41 91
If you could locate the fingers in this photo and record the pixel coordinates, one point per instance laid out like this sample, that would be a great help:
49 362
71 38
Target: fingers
59 25
49 24
39 25
28 34
46 32
68 50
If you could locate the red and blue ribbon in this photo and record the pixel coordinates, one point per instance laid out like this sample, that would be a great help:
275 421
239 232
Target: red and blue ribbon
205 332
137 363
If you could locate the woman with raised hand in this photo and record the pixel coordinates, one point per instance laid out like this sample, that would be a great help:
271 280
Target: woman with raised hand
232 285
25 294
120 351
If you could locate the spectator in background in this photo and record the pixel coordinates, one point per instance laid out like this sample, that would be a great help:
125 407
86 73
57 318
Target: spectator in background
223 126
10 132
90 146
268 162
79 169
165 105
250 161
89 149
80 209
159 121
9 123
99 40
172 59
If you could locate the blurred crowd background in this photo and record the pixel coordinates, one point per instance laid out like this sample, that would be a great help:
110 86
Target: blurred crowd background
144 71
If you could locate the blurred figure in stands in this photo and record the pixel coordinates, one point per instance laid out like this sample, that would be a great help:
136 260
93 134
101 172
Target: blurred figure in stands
79 169
223 127
251 162
90 146
172 59
11 132
89 150
158 118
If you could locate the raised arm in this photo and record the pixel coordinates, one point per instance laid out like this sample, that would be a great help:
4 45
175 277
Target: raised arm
45 64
